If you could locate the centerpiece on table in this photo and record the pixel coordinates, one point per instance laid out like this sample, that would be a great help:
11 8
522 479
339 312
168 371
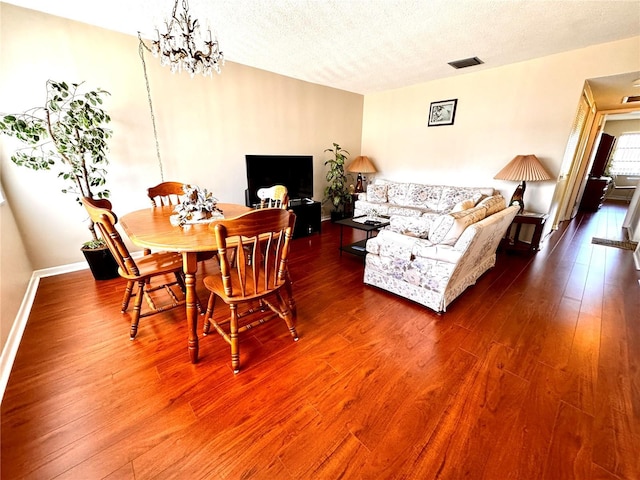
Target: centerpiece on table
197 205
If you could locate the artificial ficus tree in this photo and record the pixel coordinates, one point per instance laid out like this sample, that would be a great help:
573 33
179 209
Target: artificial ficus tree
68 134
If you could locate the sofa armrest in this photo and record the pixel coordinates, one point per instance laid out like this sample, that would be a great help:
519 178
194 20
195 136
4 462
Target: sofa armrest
391 244
485 236
415 226
441 253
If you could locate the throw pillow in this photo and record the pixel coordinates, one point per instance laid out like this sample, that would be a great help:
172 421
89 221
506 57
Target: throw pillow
493 204
447 228
464 205
412 226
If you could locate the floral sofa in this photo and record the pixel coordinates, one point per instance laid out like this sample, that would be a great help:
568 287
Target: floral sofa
440 240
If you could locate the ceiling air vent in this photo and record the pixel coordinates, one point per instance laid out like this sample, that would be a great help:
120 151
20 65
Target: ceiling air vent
466 62
635 98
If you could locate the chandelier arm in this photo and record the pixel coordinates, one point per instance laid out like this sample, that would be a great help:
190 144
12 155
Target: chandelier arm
142 45
182 49
173 14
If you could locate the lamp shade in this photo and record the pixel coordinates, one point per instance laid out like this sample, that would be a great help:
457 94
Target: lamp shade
523 168
362 164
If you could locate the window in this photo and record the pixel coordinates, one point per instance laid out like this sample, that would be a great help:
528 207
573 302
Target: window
626 156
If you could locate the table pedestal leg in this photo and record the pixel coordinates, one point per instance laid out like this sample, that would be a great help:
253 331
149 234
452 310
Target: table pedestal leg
189 266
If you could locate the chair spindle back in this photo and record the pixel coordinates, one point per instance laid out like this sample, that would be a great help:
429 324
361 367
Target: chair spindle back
273 197
105 220
260 263
165 193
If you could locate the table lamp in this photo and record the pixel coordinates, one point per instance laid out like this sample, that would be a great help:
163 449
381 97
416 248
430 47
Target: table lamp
361 164
523 169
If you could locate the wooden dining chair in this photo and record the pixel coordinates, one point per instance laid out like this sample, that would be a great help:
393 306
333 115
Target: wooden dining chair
167 194
138 272
276 196
252 285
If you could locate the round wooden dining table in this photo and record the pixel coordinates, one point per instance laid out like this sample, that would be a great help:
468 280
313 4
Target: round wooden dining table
152 228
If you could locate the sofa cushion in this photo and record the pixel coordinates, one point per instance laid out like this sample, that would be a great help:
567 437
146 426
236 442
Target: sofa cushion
423 196
493 204
397 193
447 228
377 193
363 207
412 226
406 211
391 244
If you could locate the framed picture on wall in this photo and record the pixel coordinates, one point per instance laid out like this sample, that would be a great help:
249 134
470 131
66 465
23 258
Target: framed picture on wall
442 112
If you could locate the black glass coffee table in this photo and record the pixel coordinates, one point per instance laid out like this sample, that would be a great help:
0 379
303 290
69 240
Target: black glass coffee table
361 223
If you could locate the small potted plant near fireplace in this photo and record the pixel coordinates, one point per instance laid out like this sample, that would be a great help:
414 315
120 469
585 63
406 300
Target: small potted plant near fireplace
336 193
69 133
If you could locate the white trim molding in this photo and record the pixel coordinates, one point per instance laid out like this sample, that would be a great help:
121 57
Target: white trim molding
10 349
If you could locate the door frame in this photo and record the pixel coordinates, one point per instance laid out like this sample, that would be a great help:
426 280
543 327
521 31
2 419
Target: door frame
579 156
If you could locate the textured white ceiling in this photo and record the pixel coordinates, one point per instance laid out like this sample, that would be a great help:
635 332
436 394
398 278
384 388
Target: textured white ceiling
365 46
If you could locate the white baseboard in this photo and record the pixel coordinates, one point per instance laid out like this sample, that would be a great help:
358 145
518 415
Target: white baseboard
10 348
15 334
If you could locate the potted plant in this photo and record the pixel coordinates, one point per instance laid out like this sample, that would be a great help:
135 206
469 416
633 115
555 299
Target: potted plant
337 191
68 133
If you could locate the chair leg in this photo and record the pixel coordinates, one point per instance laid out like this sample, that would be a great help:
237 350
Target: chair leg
147 251
289 287
180 279
208 315
288 316
233 338
137 307
127 296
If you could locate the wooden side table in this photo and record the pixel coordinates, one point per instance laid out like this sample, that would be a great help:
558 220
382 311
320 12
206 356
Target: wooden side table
512 240
349 208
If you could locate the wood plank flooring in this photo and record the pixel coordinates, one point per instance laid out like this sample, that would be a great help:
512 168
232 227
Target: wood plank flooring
533 373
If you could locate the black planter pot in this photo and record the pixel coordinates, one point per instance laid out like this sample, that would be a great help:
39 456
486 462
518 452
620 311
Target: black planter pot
102 264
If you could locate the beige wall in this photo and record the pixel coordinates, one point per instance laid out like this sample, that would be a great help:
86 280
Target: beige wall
15 271
618 127
206 126
522 108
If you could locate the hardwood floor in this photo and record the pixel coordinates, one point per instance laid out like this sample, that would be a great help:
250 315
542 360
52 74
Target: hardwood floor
533 373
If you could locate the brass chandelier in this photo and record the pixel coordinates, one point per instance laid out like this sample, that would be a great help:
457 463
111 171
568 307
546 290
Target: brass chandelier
181 47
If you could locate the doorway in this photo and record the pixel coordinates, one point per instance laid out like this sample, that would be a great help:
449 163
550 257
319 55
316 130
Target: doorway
601 101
